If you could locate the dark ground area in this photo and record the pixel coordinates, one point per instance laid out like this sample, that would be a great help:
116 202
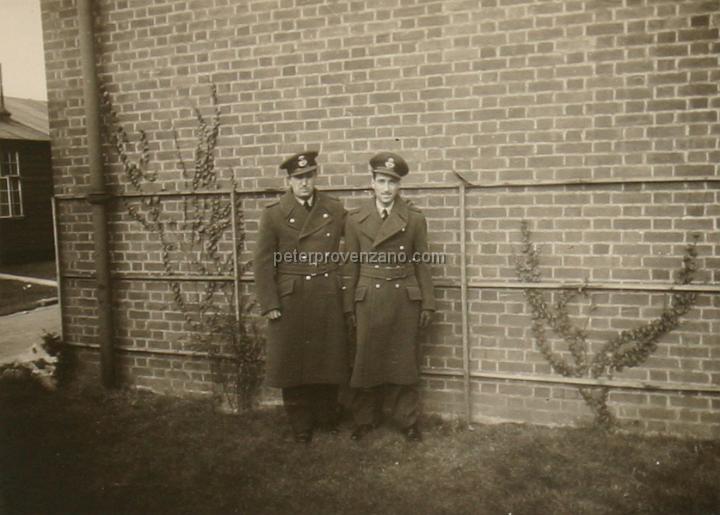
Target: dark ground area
82 450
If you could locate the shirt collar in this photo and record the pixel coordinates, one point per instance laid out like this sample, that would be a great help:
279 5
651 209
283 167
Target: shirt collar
380 207
310 201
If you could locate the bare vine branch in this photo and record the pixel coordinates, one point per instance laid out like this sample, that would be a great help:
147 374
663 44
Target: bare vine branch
629 348
235 346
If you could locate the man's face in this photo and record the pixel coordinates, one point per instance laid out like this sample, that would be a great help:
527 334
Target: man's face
386 188
303 185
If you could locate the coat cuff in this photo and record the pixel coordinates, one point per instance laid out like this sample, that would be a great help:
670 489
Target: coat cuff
265 311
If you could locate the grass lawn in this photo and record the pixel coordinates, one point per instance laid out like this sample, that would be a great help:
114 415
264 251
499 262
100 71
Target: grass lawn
18 296
82 450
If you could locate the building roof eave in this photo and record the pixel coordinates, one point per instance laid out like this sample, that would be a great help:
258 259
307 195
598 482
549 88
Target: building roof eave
13 130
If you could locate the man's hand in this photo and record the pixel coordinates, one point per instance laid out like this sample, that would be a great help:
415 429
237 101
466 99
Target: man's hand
425 318
273 314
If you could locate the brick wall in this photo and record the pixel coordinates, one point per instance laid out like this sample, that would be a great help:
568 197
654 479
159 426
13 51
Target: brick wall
537 92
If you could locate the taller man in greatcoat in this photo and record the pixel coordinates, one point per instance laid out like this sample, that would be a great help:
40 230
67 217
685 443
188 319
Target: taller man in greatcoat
300 295
388 300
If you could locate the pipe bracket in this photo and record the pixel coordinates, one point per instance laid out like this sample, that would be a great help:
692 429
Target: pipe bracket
98 197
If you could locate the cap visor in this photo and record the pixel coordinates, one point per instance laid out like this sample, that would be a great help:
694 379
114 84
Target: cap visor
302 171
387 171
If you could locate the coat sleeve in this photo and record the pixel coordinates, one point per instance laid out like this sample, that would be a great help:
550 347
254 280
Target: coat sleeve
422 270
352 266
263 266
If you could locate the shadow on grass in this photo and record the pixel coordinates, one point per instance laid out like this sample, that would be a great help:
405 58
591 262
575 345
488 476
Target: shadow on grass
81 450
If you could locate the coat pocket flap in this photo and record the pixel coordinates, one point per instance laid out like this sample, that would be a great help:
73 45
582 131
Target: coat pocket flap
286 287
414 293
360 293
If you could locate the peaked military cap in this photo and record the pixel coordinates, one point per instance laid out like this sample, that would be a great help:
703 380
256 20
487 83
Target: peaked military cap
389 164
300 164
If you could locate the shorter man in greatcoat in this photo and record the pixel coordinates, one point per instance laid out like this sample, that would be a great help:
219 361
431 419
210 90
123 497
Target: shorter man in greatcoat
300 295
389 297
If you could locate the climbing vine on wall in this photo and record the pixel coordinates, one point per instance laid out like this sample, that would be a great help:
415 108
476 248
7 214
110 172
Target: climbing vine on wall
629 348
190 232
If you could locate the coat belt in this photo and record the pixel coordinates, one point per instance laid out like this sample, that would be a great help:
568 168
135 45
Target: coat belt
305 269
388 273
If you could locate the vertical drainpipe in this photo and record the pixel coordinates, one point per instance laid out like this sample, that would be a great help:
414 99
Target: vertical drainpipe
97 195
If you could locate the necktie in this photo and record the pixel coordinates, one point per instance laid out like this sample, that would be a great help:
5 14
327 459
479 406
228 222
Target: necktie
384 214
307 205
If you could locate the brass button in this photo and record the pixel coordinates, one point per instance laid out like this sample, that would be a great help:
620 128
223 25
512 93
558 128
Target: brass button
377 285
292 220
402 247
307 277
397 285
325 215
326 274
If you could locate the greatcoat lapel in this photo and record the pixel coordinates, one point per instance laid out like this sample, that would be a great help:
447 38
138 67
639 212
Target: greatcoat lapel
369 220
318 217
293 213
394 223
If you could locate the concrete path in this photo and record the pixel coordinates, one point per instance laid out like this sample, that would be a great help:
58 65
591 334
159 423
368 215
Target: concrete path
20 331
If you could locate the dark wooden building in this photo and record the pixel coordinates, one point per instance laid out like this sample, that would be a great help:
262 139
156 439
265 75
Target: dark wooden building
25 181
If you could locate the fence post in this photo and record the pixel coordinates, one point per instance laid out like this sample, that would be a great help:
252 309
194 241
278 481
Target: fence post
464 301
58 266
236 261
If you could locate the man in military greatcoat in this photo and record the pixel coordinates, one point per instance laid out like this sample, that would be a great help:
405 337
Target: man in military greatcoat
389 297
300 295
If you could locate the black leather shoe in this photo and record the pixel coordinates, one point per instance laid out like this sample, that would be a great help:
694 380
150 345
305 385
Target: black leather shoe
360 431
413 434
329 427
304 437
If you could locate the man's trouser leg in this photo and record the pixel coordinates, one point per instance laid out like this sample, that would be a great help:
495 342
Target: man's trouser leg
367 406
325 405
296 400
404 400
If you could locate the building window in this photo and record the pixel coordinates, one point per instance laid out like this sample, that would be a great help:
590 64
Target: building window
10 187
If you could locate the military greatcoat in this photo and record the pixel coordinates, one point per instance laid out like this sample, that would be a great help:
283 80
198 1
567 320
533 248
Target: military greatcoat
307 344
387 298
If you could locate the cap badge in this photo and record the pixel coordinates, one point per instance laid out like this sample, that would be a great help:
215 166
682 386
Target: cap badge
301 161
390 163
